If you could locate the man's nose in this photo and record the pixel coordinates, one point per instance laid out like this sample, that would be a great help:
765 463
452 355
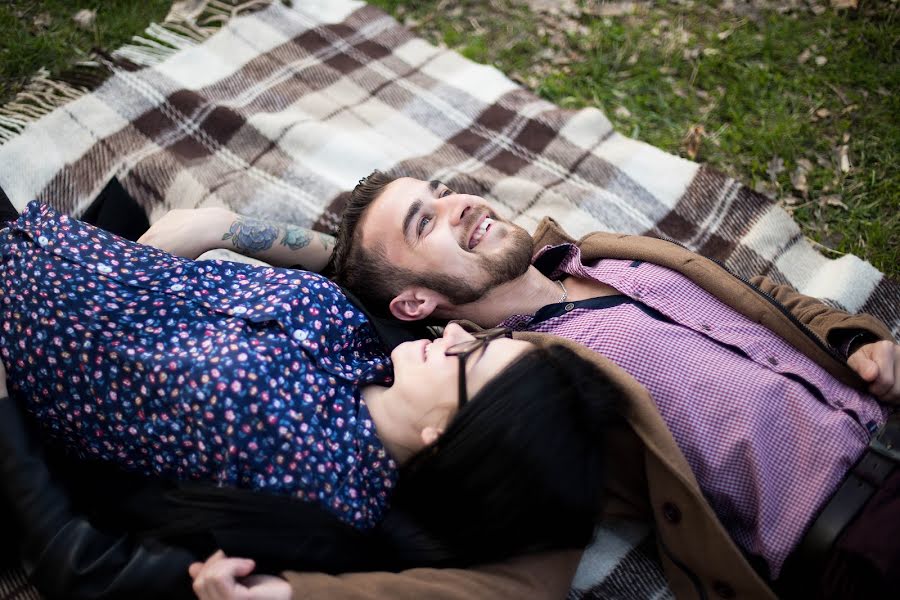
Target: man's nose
456 206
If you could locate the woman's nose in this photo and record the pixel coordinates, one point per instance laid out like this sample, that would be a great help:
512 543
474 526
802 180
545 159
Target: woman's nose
454 334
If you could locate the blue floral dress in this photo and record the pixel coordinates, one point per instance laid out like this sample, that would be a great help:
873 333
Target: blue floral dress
203 370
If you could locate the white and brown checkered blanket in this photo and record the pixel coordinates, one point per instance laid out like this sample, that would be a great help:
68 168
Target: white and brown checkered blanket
281 111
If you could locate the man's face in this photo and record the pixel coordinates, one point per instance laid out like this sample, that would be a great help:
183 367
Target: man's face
456 242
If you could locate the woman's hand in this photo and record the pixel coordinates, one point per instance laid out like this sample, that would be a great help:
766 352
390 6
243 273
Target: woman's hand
189 232
216 579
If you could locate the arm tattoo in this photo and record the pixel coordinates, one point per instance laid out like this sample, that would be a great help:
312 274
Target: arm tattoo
252 235
327 240
295 237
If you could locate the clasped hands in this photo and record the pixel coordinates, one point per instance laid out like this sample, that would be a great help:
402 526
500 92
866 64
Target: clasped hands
217 579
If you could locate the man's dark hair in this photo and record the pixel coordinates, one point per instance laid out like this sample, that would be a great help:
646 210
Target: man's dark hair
367 274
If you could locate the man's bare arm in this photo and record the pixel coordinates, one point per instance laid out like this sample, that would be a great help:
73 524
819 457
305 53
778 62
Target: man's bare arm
191 232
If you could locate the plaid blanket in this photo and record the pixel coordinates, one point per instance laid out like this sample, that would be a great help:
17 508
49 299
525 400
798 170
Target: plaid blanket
279 113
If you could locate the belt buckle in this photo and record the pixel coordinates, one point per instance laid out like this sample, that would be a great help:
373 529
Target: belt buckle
887 441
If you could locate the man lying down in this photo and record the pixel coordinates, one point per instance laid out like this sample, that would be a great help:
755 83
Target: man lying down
753 412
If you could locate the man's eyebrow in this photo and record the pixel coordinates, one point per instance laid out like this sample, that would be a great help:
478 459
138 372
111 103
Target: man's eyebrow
414 208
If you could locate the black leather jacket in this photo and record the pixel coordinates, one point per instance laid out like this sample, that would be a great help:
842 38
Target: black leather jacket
64 554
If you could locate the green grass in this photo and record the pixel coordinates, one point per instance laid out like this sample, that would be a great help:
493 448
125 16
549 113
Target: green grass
662 71
657 74
27 45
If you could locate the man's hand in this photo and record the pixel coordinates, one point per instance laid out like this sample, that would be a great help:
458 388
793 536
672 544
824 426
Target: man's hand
878 364
216 579
189 232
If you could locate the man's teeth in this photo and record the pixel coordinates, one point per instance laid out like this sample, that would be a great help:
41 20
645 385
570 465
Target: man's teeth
479 233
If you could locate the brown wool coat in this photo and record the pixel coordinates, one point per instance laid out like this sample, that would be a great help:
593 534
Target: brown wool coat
649 477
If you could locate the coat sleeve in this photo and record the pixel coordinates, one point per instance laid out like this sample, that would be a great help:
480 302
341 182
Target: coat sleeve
64 555
542 576
834 326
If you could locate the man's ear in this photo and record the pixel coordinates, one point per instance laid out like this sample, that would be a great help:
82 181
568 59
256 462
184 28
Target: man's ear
414 304
431 434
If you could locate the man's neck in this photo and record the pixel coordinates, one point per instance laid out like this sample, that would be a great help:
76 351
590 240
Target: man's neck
524 295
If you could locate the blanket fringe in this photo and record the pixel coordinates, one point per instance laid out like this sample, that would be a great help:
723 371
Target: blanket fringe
186 25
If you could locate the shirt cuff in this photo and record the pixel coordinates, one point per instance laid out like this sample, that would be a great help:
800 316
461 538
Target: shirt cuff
854 342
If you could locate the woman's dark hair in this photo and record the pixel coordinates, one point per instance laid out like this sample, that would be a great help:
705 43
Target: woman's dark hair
519 469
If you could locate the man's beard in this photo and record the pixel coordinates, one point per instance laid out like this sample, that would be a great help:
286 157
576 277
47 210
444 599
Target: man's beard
500 269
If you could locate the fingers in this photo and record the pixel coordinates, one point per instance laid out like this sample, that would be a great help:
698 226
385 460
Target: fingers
878 364
886 385
216 579
194 569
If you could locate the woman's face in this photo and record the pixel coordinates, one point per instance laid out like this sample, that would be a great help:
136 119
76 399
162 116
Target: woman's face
429 381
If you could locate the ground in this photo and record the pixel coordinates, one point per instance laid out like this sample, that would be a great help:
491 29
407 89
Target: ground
797 98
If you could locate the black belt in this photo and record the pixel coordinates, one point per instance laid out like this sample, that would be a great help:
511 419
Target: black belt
881 457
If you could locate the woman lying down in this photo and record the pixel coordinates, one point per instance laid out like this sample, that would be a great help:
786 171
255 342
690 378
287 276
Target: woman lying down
268 396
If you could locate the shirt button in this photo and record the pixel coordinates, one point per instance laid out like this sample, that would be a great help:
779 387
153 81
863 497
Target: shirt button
723 590
671 513
772 360
570 306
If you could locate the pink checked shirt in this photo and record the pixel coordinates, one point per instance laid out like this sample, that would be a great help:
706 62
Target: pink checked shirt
767 432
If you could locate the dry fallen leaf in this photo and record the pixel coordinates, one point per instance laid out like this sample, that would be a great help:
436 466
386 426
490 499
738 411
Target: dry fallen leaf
798 180
844 4
843 158
765 188
817 9
85 18
805 164
804 56
823 113
821 60
789 204
846 137
42 21
833 200
615 9
775 167
622 112
849 109
692 141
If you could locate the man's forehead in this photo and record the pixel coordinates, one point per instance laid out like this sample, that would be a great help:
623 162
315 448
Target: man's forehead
385 215
403 191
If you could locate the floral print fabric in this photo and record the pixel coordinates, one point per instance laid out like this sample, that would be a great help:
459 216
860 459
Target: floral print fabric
212 370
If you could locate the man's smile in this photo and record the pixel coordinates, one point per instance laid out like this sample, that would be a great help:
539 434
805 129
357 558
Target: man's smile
480 229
